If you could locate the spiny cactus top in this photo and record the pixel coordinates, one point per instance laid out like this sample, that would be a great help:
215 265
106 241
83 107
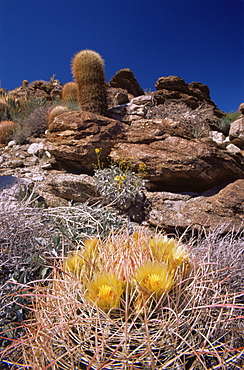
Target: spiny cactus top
88 71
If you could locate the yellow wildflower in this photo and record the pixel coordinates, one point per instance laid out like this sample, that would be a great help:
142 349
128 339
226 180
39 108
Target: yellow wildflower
97 150
105 290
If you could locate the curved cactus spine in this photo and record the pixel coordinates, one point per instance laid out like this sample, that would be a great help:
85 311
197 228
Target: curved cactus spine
88 71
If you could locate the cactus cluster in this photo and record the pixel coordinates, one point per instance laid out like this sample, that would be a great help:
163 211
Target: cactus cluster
88 71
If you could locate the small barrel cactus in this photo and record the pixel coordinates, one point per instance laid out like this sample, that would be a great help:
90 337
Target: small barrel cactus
88 71
54 112
7 128
70 91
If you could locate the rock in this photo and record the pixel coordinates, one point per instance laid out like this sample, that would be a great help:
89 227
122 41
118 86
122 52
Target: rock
179 164
136 109
117 96
174 83
76 188
170 211
12 191
48 90
125 79
193 95
74 136
236 133
241 108
218 137
36 149
233 149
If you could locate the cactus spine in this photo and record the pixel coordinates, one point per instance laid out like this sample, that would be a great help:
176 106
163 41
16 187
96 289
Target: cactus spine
88 71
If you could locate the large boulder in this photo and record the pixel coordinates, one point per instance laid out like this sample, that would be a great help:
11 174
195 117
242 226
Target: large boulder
126 80
74 136
180 164
182 211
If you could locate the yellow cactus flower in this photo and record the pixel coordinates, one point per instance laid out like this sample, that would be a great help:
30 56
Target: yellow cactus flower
74 263
105 290
178 256
91 246
154 278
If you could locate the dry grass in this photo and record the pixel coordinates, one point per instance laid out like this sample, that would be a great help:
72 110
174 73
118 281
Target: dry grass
194 325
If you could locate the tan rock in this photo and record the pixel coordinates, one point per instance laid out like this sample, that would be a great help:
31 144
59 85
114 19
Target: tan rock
170 211
236 133
76 188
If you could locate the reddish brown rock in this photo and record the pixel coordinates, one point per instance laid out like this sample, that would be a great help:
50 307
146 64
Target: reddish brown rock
125 79
193 94
74 136
178 164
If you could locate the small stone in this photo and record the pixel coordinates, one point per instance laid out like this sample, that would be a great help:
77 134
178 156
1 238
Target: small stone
233 149
11 143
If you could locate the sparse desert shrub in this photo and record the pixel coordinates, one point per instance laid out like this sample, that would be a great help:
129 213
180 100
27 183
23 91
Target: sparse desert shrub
21 109
54 112
195 120
70 91
130 302
117 184
88 71
34 125
7 130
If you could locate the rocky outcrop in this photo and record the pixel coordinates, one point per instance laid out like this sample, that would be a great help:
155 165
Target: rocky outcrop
193 94
182 211
48 90
126 80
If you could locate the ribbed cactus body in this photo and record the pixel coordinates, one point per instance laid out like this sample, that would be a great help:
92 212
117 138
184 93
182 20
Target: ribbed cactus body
88 71
70 91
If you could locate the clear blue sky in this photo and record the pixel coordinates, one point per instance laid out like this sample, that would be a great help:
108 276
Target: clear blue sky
198 40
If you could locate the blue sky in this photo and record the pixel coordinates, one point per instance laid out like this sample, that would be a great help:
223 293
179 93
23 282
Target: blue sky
198 40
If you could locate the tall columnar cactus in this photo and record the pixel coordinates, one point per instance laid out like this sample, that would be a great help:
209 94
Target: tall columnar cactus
88 71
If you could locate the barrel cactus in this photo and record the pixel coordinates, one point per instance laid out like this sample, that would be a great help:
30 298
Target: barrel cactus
70 91
88 71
